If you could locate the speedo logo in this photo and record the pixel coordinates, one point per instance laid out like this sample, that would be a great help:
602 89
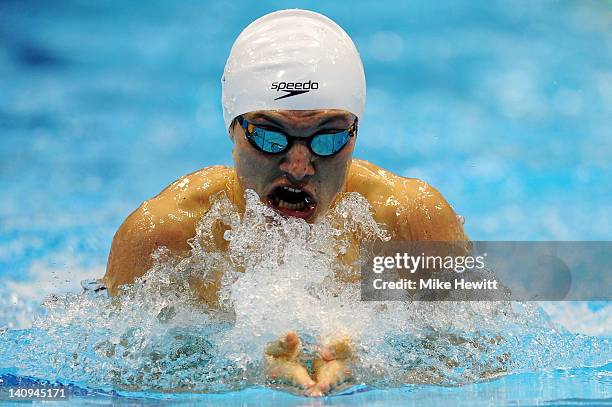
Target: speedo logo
294 88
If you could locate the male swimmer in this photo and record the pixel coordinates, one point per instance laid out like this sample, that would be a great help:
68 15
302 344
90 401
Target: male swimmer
293 95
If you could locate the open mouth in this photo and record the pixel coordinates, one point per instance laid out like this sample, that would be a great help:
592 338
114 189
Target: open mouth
291 201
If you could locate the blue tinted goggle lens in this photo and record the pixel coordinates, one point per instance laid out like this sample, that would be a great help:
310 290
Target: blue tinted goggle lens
329 144
274 142
267 140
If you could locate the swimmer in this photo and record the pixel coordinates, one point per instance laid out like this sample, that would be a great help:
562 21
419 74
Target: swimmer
293 95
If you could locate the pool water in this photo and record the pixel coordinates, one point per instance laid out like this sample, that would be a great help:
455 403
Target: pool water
575 387
503 107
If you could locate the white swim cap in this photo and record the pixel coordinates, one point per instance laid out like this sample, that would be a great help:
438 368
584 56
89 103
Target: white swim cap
293 60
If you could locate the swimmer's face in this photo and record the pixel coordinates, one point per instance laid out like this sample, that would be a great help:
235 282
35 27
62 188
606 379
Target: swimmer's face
295 182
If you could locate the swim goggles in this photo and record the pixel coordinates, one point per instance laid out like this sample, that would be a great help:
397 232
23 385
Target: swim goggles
269 141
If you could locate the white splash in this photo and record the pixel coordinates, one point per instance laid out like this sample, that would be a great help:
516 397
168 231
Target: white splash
278 275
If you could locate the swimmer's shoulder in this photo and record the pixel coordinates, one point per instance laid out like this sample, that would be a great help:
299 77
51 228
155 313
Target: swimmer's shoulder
412 208
175 211
188 198
192 192
380 186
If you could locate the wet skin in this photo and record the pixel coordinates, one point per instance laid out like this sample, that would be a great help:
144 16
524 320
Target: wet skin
409 209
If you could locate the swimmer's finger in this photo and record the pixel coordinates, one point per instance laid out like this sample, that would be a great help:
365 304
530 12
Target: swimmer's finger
287 345
314 391
339 349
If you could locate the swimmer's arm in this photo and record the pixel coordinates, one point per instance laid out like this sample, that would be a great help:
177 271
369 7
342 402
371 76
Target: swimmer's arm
420 212
428 216
135 241
167 220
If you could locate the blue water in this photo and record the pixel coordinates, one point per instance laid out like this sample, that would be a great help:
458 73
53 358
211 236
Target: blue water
503 106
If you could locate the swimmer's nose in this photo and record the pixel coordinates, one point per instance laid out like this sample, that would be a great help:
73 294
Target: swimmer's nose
298 162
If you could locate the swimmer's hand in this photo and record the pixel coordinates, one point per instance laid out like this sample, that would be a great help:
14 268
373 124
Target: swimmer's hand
282 362
331 367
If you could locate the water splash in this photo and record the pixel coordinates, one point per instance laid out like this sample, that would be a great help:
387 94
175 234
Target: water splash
278 275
